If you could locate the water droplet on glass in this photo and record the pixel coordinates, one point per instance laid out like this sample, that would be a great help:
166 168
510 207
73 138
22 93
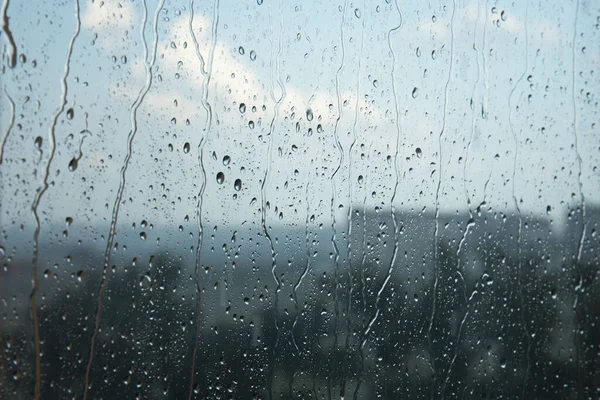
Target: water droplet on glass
73 164
357 12
38 142
253 55
68 221
226 160
186 148
309 114
360 179
143 235
415 93
237 185
419 152
242 108
80 275
251 124
241 50
70 113
220 178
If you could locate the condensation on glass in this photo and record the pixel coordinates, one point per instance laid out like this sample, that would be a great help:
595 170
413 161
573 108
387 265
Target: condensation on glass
312 199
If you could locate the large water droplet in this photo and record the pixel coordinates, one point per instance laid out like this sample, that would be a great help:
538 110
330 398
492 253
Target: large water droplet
242 108
237 185
220 178
73 164
226 160
186 148
309 114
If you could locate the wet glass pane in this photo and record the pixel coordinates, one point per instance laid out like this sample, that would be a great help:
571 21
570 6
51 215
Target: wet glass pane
312 199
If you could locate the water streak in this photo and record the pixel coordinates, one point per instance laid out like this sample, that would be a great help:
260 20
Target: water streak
390 269
333 222
12 57
206 74
148 64
38 198
516 205
437 201
10 124
263 189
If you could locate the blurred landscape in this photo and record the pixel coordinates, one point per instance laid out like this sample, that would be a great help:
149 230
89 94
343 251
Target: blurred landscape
494 312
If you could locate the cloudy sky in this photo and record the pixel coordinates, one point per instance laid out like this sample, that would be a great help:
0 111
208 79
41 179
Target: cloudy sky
444 101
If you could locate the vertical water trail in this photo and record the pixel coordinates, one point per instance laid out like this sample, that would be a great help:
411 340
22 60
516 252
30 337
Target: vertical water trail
38 198
516 203
10 124
297 285
390 270
148 64
263 189
437 200
333 222
581 194
12 57
206 75
349 216
363 282
471 221
485 75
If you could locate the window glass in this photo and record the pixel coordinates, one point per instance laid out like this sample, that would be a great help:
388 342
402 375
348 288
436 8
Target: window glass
313 199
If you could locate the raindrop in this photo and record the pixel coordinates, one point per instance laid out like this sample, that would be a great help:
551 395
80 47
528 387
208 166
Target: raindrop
70 113
80 275
143 235
226 160
253 55
241 50
186 148
360 179
419 152
38 142
220 178
68 221
73 164
237 185
357 12
309 114
415 93
242 108
319 128
251 124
